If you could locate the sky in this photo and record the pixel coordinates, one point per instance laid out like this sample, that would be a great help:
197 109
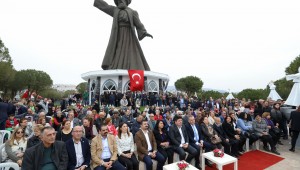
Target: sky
228 44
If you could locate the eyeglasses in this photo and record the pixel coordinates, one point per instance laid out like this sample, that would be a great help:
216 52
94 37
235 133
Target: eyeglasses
20 132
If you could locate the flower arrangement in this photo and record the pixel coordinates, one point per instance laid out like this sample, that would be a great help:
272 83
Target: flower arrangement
182 165
218 153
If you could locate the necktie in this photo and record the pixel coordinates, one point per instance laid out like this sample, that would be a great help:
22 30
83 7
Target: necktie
195 133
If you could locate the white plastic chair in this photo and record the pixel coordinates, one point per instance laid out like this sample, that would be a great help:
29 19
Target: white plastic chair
8 165
2 135
2 146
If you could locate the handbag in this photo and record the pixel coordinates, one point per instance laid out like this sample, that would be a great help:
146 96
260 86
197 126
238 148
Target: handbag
215 140
276 130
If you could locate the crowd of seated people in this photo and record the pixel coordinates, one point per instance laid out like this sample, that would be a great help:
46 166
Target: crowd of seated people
120 137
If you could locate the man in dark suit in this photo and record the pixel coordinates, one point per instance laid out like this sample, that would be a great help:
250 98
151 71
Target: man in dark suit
196 139
147 147
295 127
180 140
78 151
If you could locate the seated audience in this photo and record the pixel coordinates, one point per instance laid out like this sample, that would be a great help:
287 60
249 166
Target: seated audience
209 134
195 139
245 125
260 129
125 146
147 148
230 145
48 154
274 130
78 149
27 127
111 127
16 146
180 140
36 138
89 131
232 134
66 132
11 122
74 120
58 118
104 151
163 141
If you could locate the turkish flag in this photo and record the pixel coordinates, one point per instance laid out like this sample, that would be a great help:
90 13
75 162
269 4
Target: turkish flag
25 95
136 80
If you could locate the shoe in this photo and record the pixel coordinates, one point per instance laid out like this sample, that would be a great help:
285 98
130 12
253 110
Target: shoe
275 151
280 143
266 148
285 138
239 153
292 149
237 157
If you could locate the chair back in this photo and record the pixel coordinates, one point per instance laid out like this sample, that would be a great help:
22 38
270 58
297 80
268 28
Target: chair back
2 148
8 165
4 135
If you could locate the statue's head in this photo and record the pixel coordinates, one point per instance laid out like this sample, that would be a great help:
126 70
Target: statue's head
122 4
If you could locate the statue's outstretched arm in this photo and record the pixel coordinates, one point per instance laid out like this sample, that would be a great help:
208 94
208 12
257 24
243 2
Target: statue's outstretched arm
103 6
142 32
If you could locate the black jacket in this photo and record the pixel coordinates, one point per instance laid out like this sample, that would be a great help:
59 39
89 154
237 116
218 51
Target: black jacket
229 130
33 156
295 118
175 136
86 152
34 140
221 132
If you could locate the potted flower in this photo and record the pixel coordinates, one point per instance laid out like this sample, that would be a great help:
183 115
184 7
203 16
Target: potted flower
182 165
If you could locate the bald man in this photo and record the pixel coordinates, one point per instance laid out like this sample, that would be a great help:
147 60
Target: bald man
79 151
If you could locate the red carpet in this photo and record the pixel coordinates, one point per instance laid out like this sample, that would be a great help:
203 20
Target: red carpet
253 160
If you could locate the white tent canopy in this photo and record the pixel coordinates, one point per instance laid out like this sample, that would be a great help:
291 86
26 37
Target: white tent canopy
273 93
294 97
230 96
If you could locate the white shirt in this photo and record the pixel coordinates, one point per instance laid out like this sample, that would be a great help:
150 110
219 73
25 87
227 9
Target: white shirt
148 140
182 138
79 155
125 143
72 123
106 152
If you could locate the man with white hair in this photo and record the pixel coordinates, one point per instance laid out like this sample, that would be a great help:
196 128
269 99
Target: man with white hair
79 151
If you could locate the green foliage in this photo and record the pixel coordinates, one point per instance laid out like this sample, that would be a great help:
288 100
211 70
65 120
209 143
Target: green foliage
51 93
283 87
33 80
189 84
6 77
293 67
4 53
253 94
81 87
210 93
68 93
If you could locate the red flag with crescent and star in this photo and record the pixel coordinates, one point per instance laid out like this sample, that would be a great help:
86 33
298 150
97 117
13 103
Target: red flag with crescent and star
136 80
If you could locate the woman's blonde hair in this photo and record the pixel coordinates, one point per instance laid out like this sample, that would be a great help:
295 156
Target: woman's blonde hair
13 136
39 127
265 114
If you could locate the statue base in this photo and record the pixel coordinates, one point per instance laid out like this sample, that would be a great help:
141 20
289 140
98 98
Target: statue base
109 81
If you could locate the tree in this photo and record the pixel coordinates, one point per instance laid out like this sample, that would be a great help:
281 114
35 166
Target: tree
81 87
189 84
283 87
4 53
211 93
253 94
51 93
33 80
293 67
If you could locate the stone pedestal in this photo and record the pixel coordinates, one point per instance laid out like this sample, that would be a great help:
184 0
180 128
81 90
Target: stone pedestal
108 81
